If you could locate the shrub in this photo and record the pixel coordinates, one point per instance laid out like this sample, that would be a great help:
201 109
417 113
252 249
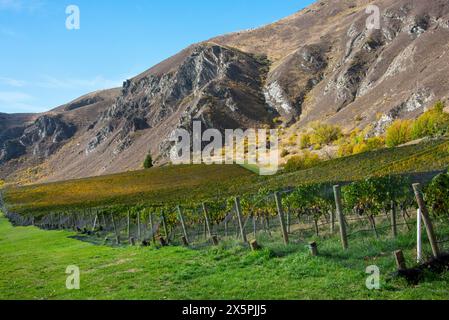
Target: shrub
324 134
437 195
293 140
2 184
304 161
399 133
434 122
284 153
305 141
357 143
148 163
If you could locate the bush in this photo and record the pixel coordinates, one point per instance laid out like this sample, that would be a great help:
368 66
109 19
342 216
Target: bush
2 184
148 163
284 153
325 134
357 143
398 133
304 161
305 141
434 122
437 195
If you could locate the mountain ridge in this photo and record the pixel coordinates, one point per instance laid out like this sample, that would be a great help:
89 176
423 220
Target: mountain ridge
319 64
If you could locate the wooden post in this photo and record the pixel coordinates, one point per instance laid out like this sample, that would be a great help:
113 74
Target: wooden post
128 228
95 223
254 226
117 236
139 236
226 228
317 228
281 216
400 260
332 213
394 227
426 219
313 249
184 229
152 228
288 221
207 222
341 221
238 209
164 222
372 222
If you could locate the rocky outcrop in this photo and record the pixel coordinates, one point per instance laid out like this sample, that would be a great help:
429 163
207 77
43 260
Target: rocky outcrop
320 64
220 86
42 138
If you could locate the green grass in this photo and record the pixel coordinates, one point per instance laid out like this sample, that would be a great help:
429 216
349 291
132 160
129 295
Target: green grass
33 264
183 184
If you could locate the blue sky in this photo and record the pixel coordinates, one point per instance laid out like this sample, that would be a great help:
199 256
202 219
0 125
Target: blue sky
43 65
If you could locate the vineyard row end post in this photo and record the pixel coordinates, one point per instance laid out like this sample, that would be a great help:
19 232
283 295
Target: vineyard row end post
341 222
278 198
426 218
238 209
206 217
184 230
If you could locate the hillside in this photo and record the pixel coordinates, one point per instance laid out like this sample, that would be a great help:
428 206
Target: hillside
321 63
174 185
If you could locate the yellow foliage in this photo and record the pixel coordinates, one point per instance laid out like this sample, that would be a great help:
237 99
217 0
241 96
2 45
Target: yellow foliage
399 133
301 162
357 142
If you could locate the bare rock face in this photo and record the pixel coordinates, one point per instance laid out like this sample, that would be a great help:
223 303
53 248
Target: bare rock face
321 63
42 138
219 86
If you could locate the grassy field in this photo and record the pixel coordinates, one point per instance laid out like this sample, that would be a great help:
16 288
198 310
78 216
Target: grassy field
33 264
180 184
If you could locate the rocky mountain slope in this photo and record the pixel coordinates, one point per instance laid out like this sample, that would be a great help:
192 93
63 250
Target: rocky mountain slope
321 63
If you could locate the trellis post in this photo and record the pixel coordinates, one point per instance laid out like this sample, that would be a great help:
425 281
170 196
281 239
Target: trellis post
238 209
278 198
394 227
139 237
150 216
183 225
164 223
207 222
341 221
426 219
117 236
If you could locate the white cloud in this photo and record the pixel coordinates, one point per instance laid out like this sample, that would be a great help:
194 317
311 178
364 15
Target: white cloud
12 82
21 5
96 83
17 102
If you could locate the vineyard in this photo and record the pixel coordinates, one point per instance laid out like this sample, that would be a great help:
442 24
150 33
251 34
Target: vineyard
341 204
184 185
376 206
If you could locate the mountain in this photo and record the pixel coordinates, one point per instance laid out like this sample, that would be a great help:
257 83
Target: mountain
321 63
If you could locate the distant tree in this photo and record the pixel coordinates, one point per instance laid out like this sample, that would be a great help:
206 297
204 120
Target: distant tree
399 133
432 123
148 163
